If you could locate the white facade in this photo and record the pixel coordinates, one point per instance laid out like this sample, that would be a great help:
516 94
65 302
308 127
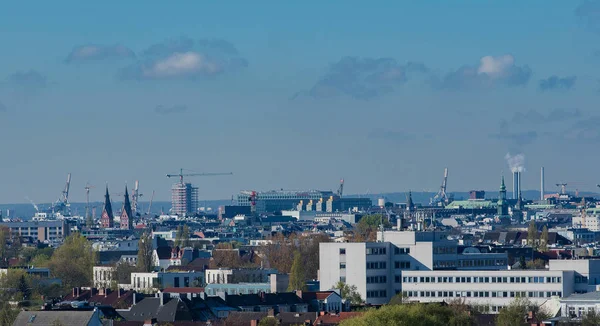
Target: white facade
376 268
577 305
493 289
242 275
146 282
590 219
103 276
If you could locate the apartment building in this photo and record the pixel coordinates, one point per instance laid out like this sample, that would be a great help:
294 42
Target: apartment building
39 230
145 282
238 275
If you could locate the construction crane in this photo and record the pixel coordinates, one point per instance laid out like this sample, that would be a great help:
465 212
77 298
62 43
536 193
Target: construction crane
87 199
181 175
340 191
150 206
135 196
441 196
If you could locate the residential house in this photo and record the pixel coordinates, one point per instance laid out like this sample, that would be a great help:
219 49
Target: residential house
44 318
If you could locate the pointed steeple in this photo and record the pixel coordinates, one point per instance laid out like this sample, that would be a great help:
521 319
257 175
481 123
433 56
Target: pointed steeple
410 205
126 216
107 218
502 185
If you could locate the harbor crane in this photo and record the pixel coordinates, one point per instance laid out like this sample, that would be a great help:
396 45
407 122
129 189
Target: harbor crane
62 204
340 190
150 205
441 196
181 175
563 188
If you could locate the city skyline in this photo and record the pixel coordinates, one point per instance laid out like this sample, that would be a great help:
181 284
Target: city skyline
289 95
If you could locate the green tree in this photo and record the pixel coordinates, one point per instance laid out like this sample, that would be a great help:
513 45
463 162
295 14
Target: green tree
297 274
122 274
536 264
532 234
349 293
414 314
40 260
4 236
591 318
522 263
185 237
7 313
309 250
366 228
268 321
74 261
399 298
179 236
145 258
24 287
516 313
543 247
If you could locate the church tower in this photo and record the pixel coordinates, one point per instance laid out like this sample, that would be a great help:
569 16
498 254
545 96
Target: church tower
126 215
502 204
107 220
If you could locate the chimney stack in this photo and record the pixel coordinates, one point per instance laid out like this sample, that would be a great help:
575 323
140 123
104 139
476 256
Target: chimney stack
516 184
542 183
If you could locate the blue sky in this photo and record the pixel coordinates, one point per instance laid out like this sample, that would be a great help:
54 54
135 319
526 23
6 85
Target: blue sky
296 94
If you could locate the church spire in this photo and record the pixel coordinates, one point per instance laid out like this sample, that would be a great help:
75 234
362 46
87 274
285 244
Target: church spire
107 219
126 216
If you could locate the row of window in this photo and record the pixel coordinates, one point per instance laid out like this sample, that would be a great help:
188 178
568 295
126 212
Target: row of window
482 294
481 262
377 294
376 265
481 279
376 279
401 251
402 265
376 251
444 250
444 264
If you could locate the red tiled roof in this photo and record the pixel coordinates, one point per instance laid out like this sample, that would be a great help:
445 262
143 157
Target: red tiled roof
320 295
330 319
183 290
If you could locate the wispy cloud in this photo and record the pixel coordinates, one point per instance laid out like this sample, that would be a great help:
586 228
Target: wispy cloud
557 83
534 117
27 81
97 52
490 72
584 130
362 78
185 58
394 135
164 110
589 12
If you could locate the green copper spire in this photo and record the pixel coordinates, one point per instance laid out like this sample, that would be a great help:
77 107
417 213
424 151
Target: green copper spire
502 186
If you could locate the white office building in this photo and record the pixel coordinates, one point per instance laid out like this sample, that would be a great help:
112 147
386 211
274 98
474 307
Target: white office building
426 267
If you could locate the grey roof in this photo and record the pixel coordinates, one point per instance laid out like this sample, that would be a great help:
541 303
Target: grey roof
27 318
173 310
589 296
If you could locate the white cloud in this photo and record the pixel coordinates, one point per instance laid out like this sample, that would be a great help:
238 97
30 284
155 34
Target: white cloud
496 67
181 64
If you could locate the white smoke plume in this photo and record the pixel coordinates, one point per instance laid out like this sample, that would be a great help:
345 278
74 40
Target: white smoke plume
516 162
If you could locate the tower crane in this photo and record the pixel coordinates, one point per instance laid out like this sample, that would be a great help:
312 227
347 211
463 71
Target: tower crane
87 199
181 175
150 206
135 196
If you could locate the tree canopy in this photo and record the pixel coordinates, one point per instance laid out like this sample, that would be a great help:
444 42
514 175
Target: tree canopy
297 274
412 314
349 292
145 258
516 313
73 262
